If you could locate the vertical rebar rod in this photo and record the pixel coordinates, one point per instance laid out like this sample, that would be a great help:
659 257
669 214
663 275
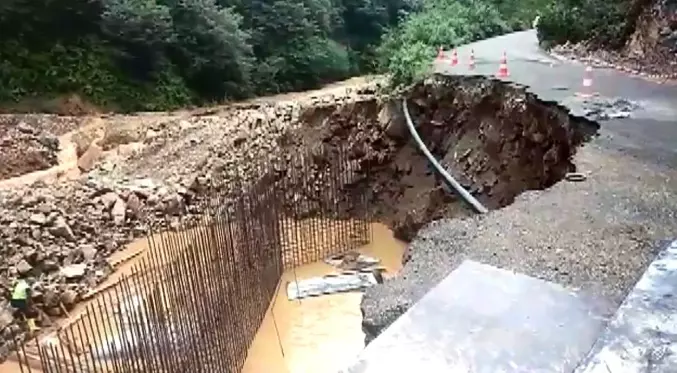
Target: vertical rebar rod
114 328
123 325
70 348
86 354
204 289
94 326
20 350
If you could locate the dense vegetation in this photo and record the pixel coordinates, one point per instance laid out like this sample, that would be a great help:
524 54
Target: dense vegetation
152 54
602 23
157 54
406 51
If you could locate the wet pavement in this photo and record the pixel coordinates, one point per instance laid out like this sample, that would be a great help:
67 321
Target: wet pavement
649 132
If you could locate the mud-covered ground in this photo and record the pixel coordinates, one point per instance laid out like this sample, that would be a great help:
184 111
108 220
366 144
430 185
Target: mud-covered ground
25 147
153 169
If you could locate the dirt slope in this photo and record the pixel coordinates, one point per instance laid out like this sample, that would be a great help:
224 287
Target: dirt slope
651 48
497 139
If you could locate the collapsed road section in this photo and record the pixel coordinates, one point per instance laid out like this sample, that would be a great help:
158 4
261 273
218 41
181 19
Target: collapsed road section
497 139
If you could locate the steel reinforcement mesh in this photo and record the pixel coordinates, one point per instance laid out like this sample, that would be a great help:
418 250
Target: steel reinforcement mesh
194 300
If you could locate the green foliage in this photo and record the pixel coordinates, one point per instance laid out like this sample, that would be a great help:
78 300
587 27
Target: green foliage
408 63
212 50
159 54
407 51
520 15
601 22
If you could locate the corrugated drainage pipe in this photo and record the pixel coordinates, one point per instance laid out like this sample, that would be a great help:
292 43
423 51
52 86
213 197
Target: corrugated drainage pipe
449 179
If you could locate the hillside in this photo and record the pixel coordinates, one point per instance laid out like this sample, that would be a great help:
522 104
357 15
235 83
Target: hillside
639 36
152 55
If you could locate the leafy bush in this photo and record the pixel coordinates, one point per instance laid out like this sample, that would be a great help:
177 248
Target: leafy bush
159 54
409 63
520 14
600 22
406 52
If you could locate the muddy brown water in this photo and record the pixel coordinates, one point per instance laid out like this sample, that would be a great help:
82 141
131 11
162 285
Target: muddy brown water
321 334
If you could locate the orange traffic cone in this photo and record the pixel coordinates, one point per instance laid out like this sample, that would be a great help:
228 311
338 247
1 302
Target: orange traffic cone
586 91
454 58
440 54
471 60
503 67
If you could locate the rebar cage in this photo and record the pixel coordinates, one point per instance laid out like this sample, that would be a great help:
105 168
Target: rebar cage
194 300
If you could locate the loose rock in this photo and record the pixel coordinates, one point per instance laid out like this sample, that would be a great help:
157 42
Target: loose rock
61 229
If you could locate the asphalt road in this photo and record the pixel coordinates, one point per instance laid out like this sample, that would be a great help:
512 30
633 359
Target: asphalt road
651 130
598 235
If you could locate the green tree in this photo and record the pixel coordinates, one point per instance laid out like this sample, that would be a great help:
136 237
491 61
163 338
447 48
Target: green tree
141 30
602 23
158 54
211 49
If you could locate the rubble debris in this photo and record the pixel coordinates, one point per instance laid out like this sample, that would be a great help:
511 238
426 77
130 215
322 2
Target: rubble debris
88 159
25 148
602 108
353 261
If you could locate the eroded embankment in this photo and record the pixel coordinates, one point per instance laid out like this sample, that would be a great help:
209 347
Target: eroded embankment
497 139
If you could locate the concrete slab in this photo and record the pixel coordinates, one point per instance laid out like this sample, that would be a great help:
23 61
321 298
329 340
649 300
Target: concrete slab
642 336
330 284
482 319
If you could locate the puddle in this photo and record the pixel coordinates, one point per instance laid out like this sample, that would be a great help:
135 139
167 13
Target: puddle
321 334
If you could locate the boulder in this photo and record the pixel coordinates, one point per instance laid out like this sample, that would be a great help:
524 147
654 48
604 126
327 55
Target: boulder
118 212
23 267
6 317
133 205
68 298
73 271
39 219
87 161
88 252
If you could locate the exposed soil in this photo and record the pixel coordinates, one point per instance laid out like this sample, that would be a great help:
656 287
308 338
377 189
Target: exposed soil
24 148
496 139
72 105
